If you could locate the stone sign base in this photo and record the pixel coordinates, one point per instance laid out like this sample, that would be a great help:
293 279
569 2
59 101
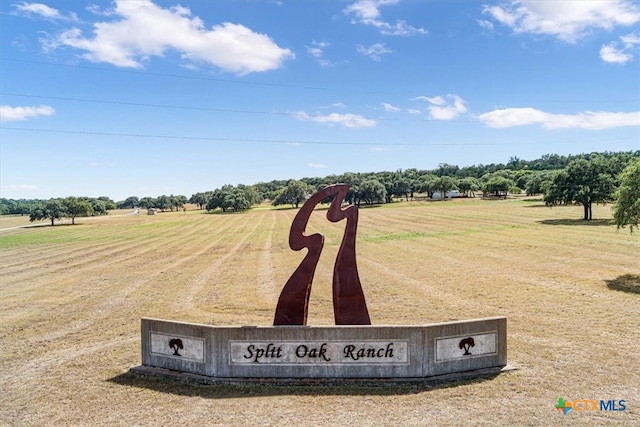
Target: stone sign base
149 371
308 353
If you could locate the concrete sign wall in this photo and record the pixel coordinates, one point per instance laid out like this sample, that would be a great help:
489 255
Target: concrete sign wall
325 352
352 349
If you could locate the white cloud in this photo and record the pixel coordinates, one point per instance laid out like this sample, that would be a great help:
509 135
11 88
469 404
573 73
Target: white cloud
446 107
38 9
378 149
590 120
10 114
375 51
317 165
389 107
29 187
43 11
140 30
610 53
367 12
567 20
317 51
487 25
353 121
413 111
102 164
368 9
631 39
334 105
620 52
436 100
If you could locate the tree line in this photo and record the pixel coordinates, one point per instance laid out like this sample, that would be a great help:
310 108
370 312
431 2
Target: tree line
69 207
582 179
163 203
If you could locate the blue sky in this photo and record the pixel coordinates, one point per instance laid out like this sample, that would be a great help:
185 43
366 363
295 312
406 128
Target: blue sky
142 98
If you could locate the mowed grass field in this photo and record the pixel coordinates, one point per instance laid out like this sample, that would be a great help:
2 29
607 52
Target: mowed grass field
71 299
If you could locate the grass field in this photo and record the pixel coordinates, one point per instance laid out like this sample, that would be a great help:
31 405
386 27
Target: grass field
71 299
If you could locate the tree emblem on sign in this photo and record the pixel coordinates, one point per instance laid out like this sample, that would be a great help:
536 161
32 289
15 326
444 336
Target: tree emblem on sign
466 344
176 344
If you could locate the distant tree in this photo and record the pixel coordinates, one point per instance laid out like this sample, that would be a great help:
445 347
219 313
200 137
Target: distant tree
7 206
401 186
387 179
269 190
163 203
236 201
201 199
445 184
218 197
147 203
250 193
371 191
412 176
129 203
626 211
427 184
538 182
108 203
469 186
75 206
582 182
294 193
445 169
521 176
98 207
51 209
229 198
177 202
515 163
354 180
18 207
498 186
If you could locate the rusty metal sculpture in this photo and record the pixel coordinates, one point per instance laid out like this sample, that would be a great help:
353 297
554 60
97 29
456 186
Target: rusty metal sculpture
349 305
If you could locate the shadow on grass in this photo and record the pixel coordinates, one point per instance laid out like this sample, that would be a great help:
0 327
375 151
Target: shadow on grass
228 391
625 283
48 225
592 223
217 212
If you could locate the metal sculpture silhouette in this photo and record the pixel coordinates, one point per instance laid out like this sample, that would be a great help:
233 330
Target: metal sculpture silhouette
349 305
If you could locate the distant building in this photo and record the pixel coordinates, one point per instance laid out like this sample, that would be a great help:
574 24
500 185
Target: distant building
151 211
450 194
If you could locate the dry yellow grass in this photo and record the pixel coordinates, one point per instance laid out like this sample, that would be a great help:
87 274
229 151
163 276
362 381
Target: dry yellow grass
71 298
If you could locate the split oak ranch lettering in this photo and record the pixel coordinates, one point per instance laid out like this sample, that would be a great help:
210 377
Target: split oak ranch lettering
319 352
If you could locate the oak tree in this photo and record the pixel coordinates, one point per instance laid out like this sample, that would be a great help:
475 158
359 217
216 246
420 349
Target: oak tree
582 182
626 211
51 209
